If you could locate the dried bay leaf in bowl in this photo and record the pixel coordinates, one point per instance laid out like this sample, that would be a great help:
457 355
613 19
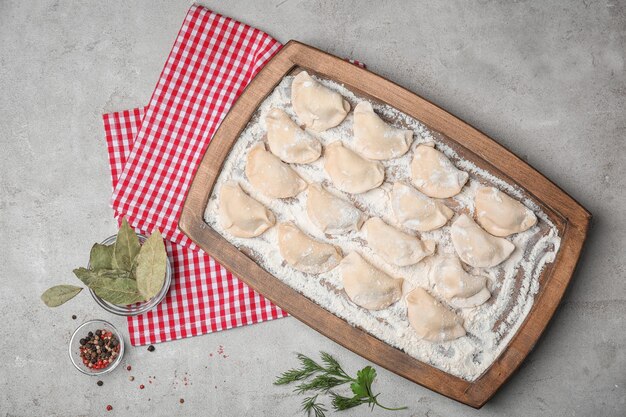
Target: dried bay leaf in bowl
126 247
142 281
122 273
113 285
101 256
151 265
121 291
88 276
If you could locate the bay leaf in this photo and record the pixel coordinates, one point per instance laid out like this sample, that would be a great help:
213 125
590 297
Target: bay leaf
121 291
151 266
101 256
84 274
59 294
126 247
89 275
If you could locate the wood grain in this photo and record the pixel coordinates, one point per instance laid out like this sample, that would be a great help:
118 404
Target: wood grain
571 219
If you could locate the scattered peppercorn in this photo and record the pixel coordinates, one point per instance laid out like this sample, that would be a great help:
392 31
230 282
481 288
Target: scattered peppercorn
131 378
109 407
182 400
100 350
128 368
142 386
73 316
150 348
100 383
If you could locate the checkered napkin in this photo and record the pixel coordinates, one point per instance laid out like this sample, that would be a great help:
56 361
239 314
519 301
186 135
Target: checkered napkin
154 152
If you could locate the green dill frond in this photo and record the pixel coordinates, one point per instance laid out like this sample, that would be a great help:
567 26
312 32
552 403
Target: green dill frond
291 375
322 382
307 369
340 402
329 361
309 364
309 405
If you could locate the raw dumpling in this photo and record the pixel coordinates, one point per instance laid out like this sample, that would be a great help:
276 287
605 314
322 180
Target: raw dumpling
501 215
288 142
477 247
240 214
431 320
350 172
271 176
368 286
415 211
458 287
331 214
394 246
434 174
304 253
318 107
376 139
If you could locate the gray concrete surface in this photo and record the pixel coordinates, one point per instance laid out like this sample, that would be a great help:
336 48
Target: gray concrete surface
545 78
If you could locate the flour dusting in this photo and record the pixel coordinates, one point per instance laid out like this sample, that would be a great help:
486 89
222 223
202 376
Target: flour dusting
513 284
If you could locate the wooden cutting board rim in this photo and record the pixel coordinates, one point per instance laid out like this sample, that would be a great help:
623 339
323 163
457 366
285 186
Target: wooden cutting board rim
571 219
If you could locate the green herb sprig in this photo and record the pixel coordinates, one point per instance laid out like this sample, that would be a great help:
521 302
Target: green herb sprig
310 405
124 272
321 378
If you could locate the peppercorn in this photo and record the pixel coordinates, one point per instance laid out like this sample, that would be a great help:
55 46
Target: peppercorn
97 352
182 400
142 386
150 348
100 383
73 316
128 368
109 407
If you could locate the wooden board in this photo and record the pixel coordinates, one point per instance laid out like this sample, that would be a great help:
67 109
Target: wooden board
571 219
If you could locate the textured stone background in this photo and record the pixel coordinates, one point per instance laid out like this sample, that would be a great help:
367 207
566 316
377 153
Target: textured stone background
546 79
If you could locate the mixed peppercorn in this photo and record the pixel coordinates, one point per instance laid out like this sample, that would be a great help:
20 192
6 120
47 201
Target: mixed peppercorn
99 349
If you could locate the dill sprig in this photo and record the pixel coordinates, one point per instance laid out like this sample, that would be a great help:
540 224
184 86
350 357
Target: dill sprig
308 367
322 383
310 405
322 378
340 402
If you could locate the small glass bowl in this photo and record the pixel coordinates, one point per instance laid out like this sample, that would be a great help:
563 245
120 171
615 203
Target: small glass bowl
137 308
74 348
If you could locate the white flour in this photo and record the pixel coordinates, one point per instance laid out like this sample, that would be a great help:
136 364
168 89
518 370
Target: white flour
513 283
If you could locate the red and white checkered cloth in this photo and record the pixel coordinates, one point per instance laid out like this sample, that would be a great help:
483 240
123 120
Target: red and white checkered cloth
154 152
212 61
204 297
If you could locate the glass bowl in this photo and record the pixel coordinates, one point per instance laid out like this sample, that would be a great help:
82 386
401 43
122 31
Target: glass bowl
74 348
137 308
